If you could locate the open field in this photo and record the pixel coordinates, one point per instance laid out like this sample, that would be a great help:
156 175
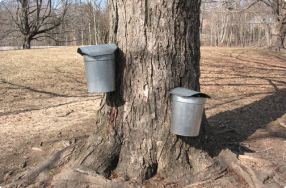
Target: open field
44 103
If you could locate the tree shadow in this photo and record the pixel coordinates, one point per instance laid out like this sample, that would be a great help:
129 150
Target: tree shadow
228 129
69 75
239 124
53 94
243 122
43 108
259 62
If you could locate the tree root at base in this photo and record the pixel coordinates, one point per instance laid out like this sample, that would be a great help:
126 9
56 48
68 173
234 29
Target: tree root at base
57 159
72 177
252 179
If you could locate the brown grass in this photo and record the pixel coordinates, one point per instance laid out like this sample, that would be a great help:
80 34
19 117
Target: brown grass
238 77
44 97
43 100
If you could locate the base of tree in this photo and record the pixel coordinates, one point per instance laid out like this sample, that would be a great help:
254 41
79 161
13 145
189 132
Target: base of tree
70 173
277 48
228 169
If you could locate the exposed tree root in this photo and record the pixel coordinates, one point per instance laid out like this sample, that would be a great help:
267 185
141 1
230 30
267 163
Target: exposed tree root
246 173
83 177
57 159
101 154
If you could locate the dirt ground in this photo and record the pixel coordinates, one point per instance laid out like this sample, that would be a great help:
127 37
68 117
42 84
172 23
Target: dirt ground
45 106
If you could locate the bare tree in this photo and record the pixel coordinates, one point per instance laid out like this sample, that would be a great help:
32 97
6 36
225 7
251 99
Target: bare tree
159 49
278 21
95 28
33 19
244 23
229 23
85 23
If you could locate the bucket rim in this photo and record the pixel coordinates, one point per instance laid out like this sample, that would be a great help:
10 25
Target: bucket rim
190 100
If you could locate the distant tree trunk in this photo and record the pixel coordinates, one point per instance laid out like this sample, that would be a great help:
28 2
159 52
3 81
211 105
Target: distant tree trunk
89 34
82 38
27 43
159 50
211 34
278 32
95 27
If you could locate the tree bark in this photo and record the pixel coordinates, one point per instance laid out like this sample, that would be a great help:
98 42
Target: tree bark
27 43
278 35
159 46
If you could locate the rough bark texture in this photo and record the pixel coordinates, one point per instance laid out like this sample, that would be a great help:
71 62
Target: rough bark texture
159 50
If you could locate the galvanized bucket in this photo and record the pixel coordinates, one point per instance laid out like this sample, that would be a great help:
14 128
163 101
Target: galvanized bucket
187 111
99 67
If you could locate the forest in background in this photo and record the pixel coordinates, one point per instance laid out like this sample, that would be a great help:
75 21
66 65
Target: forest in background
231 23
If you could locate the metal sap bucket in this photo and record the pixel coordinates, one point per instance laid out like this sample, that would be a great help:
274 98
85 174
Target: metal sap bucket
187 111
99 67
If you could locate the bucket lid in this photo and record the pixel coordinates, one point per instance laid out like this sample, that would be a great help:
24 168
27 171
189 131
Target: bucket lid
97 50
184 92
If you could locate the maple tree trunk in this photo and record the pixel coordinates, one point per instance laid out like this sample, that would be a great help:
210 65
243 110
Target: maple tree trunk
159 46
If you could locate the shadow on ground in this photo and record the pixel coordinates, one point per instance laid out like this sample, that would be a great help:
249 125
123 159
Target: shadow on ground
235 126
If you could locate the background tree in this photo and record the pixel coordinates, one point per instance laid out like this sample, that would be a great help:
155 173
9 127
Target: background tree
278 28
243 23
229 23
35 18
159 50
84 23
